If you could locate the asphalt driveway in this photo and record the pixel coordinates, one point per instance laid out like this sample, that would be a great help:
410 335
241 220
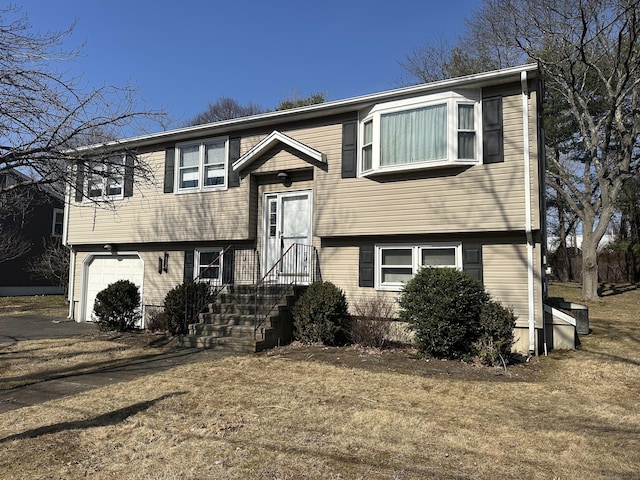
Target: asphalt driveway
22 327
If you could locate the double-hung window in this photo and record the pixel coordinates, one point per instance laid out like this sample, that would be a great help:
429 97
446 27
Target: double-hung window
396 264
105 179
58 222
424 132
202 165
208 265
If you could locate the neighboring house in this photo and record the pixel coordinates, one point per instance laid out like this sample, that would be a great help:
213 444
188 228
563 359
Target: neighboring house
37 213
443 174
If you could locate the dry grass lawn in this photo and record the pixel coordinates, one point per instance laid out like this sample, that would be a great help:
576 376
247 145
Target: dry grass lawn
340 414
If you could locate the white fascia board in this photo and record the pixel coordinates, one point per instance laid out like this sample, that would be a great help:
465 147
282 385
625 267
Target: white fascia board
268 142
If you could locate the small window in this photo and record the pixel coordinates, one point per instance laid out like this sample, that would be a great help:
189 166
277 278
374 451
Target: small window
202 165
208 266
466 132
367 146
58 222
397 264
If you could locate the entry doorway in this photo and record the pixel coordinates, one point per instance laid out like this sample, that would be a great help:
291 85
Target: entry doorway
287 231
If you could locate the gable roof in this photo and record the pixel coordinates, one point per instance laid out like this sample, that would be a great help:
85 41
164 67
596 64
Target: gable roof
271 140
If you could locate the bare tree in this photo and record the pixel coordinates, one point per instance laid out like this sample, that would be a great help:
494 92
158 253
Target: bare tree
15 207
589 52
225 109
53 264
46 116
294 100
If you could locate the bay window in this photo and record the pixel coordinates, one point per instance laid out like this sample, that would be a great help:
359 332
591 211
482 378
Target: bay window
427 132
397 264
202 165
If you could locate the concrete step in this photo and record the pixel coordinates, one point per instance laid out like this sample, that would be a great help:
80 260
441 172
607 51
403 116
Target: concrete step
230 344
208 330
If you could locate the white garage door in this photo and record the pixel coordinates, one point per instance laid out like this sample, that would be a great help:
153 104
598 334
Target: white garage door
103 270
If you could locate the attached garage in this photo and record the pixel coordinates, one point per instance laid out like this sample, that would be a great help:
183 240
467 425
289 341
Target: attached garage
102 270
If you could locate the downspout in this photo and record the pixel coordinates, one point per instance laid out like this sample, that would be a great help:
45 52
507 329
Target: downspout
528 221
72 252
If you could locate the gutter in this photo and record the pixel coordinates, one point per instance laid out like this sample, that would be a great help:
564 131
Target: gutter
528 220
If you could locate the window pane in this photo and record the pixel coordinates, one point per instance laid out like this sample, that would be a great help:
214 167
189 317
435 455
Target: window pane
190 156
368 132
189 177
214 152
465 117
214 270
114 186
414 136
214 175
396 256
439 257
396 275
467 145
367 158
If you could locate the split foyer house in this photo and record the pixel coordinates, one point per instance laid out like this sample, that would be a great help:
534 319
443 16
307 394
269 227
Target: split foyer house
363 191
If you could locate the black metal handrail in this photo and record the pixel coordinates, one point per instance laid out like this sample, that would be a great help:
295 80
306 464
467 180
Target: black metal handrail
296 266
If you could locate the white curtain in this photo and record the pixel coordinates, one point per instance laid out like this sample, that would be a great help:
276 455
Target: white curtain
414 136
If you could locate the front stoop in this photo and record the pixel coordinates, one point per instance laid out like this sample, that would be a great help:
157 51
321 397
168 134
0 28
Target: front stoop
228 323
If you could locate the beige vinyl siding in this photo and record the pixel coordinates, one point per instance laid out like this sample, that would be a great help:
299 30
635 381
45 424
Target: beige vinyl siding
475 199
156 285
153 216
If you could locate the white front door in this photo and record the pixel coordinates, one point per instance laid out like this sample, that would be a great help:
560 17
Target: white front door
287 231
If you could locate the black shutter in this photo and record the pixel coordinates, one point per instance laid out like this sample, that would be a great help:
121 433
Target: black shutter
472 260
79 181
188 266
366 266
128 175
234 154
492 134
227 267
169 168
349 149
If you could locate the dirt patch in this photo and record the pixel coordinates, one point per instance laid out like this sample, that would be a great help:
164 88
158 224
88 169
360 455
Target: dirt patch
406 360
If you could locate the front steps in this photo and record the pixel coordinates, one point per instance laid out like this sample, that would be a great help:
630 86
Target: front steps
229 322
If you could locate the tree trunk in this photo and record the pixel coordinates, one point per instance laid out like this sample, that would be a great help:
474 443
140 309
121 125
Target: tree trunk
589 267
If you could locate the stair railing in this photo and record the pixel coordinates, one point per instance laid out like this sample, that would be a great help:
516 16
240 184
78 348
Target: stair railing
298 265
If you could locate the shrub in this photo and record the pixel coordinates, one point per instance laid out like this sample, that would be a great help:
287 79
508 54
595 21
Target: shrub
194 294
157 320
321 314
117 307
442 306
497 322
370 327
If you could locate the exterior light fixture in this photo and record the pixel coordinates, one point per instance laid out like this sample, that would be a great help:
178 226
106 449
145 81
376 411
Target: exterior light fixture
284 178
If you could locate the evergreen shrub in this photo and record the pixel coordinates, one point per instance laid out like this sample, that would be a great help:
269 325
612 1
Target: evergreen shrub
187 298
117 307
321 315
442 307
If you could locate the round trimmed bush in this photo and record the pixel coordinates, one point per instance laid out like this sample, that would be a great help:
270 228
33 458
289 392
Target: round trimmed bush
442 307
186 298
321 315
117 307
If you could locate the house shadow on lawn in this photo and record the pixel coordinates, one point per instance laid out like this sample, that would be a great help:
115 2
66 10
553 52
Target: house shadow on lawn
110 418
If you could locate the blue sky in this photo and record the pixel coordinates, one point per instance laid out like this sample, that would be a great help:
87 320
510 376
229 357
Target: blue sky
183 54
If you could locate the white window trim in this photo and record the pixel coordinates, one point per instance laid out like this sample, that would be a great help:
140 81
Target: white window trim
53 222
201 170
104 180
452 99
197 265
416 260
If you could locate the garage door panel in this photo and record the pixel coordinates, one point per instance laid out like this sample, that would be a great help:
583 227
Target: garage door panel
104 270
